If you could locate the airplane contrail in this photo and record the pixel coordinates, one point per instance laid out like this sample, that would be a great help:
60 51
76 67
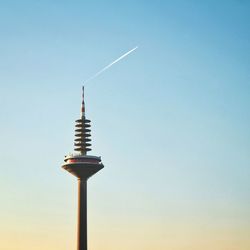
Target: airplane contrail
109 65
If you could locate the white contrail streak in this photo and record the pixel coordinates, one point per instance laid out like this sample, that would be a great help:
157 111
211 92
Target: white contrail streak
108 66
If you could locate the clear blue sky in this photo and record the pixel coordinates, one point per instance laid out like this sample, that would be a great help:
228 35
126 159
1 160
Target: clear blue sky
171 122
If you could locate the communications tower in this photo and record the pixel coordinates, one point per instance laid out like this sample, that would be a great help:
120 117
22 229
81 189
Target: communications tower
82 166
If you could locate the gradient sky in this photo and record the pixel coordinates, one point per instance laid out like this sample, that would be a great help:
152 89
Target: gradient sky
171 122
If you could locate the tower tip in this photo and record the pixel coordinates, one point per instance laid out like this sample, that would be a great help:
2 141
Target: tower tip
83 104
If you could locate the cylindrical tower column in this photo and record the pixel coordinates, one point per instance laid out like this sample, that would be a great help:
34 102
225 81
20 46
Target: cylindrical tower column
82 215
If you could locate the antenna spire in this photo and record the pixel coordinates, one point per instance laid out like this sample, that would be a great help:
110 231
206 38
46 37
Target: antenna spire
83 104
